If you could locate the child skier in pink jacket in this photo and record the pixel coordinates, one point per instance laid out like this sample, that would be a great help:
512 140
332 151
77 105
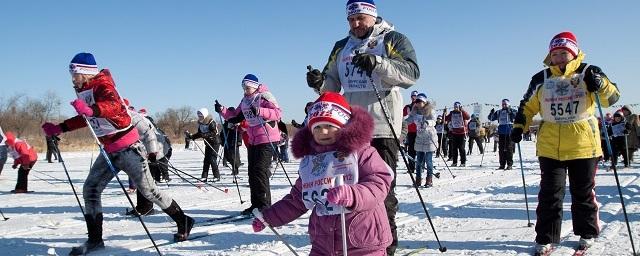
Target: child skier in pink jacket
336 141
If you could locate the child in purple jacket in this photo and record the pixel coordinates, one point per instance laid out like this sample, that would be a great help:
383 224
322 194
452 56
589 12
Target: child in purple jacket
336 141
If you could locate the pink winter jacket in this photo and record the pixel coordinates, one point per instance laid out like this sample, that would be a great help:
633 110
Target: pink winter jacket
268 110
367 225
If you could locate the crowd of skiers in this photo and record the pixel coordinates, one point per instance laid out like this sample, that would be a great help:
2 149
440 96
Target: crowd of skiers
355 135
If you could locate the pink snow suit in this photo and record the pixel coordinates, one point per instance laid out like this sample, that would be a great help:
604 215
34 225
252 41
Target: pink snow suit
268 113
368 229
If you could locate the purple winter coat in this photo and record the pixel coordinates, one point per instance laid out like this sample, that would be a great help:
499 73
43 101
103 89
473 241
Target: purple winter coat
367 225
268 110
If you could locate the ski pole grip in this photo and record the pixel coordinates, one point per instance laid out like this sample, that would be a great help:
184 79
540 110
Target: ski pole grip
256 212
339 180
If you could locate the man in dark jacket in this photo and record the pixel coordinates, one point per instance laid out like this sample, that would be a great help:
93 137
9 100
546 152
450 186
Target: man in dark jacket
52 146
506 147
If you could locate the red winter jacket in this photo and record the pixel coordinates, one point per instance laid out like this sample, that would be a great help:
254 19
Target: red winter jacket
110 106
465 118
26 154
405 112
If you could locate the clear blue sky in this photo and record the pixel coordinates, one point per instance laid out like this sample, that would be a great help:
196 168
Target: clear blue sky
173 53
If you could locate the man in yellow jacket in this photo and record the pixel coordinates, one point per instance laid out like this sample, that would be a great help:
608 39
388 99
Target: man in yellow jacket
568 138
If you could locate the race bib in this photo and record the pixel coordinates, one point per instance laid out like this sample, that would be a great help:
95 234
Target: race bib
503 117
439 128
472 126
618 129
318 176
101 126
456 120
564 99
245 106
352 78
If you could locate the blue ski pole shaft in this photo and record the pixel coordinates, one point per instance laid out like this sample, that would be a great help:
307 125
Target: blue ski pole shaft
104 154
615 173
524 186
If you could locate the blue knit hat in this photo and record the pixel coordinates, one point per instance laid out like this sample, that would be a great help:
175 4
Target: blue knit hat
361 6
457 104
83 63
250 80
422 97
414 93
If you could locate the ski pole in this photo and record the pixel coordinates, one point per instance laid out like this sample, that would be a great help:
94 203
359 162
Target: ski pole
260 217
5 218
47 176
524 185
234 164
180 176
626 150
615 174
274 150
226 190
484 150
73 188
445 165
404 158
343 223
104 154
236 168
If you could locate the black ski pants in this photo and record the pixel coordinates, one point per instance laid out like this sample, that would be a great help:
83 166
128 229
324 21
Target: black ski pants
388 150
478 142
584 208
259 161
458 148
23 176
210 159
506 148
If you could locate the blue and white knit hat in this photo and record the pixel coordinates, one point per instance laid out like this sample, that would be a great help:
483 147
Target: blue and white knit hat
422 97
414 93
83 63
250 80
457 104
361 6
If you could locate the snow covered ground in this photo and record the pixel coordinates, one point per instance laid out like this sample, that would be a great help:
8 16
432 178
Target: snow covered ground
480 212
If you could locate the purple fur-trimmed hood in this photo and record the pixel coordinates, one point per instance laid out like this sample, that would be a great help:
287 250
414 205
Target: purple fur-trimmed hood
356 134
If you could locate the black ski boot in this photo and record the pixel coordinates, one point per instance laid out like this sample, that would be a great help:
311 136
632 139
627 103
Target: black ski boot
94 227
184 222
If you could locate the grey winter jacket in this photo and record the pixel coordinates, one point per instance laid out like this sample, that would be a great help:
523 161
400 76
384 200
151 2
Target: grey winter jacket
152 139
426 135
399 69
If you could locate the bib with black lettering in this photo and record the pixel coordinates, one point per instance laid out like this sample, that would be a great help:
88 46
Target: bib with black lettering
618 129
318 176
564 99
456 120
503 117
101 126
352 78
245 106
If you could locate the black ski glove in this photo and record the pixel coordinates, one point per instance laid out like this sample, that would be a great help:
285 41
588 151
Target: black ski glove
593 80
152 157
315 78
516 135
365 61
493 110
217 107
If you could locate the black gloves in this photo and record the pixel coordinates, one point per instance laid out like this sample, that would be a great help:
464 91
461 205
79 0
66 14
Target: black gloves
493 110
217 107
593 80
315 78
516 135
152 157
365 61
187 134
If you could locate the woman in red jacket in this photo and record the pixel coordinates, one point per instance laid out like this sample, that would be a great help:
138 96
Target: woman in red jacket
24 156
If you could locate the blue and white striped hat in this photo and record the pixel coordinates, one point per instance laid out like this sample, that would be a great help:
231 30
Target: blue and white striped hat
422 97
83 63
250 80
361 6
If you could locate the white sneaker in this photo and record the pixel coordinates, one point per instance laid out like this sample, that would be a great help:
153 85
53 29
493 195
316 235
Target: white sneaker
542 249
586 242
